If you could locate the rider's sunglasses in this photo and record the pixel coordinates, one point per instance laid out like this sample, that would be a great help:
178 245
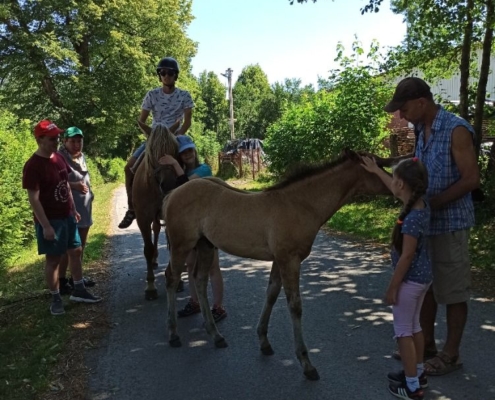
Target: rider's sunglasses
167 72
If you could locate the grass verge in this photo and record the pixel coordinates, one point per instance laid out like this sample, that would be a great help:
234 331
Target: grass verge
38 350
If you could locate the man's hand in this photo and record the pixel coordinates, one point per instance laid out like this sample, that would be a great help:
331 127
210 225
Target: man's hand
49 233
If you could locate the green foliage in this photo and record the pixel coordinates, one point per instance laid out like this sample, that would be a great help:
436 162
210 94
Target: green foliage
106 170
349 115
208 148
212 93
16 145
90 64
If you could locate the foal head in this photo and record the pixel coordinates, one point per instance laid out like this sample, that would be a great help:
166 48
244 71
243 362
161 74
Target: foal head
160 142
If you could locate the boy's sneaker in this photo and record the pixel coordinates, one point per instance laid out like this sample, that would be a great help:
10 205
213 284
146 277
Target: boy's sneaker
57 308
64 286
403 392
218 312
192 307
400 377
87 282
83 296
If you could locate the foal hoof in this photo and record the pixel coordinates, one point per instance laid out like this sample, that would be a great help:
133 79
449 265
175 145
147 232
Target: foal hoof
175 341
220 343
151 294
267 351
312 375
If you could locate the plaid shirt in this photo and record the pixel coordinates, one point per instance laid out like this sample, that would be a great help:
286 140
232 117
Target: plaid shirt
443 172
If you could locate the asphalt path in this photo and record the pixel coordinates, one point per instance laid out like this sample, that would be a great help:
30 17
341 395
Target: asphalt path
347 328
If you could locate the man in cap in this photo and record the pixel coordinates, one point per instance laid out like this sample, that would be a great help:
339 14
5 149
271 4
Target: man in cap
445 144
45 177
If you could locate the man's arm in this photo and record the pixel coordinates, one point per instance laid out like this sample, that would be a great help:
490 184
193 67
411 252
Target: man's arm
142 122
187 122
462 149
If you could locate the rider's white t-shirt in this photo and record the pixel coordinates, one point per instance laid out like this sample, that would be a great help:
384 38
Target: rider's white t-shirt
167 108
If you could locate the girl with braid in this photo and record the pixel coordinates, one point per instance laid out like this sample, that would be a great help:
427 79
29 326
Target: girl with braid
412 271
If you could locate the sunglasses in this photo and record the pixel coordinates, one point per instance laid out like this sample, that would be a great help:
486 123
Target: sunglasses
167 72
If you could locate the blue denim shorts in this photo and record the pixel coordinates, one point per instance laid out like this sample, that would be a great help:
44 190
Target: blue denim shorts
66 237
139 150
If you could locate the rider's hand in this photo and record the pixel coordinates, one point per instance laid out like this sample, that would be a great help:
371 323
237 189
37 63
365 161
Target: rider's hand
167 159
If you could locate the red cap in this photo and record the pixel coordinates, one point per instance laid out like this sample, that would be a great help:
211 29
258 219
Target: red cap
46 128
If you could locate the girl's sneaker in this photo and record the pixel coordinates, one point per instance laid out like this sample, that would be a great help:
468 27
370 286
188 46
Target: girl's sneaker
402 392
218 312
192 307
400 377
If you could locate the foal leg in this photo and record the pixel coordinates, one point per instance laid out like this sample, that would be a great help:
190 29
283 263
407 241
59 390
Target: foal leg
172 278
290 281
204 262
272 292
156 234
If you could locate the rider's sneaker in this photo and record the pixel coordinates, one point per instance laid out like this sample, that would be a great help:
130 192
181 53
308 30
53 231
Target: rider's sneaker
83 296
192 307
402 392
57 308
129 216
218 312
400 377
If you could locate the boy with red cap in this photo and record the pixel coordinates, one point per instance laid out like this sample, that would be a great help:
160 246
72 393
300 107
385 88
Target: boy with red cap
45 176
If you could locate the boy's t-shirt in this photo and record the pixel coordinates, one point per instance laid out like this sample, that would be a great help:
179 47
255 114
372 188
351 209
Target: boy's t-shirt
50 177
416 224
165 108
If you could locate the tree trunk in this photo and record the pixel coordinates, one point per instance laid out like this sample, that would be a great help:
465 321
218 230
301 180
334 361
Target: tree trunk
465 60
484 71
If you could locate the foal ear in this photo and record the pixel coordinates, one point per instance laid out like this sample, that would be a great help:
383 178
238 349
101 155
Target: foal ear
351 154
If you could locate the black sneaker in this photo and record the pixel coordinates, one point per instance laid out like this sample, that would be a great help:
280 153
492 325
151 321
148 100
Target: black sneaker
64 286
127 220
400 377
403 392
87 282
57 308
191 308
219 313
83 296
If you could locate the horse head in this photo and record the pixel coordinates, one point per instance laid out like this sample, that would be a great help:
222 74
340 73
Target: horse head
160 142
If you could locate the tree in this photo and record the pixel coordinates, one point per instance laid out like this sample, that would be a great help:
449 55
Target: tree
250 92
215 110
89 63
373 5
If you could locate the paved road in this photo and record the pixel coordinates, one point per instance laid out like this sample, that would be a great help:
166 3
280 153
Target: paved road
347 329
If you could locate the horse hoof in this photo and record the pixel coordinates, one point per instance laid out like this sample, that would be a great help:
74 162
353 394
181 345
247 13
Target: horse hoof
267 351
312 375
151 294
221 343
175 341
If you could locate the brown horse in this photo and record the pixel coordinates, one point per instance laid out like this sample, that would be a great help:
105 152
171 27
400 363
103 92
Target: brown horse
151 182
278 224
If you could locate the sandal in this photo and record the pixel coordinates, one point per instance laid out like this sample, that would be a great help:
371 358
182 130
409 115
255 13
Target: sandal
442 364
129 216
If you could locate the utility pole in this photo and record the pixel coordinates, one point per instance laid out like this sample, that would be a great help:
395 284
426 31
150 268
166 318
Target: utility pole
228 75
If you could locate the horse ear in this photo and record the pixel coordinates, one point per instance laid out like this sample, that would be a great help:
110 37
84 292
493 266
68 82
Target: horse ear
144 128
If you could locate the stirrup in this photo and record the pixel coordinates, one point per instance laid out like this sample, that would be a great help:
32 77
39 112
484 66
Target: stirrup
128 218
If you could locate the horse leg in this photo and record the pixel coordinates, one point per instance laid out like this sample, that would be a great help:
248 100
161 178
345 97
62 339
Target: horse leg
205 255
172 278
156 234
290 281
150 293
272 292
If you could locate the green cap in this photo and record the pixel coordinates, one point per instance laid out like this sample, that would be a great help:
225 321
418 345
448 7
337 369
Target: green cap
73 131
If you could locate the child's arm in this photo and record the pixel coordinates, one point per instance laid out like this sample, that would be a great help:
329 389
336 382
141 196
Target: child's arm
409 245
34 200
369 164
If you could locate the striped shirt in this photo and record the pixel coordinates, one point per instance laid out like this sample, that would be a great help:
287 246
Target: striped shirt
437 156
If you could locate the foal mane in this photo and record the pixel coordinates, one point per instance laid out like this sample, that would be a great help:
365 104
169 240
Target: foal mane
304 171
160 142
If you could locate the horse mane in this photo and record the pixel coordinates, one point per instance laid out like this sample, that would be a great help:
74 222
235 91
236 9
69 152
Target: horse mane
303 171
160 142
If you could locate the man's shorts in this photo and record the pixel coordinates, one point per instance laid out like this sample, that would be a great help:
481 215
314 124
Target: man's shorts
66 237
139 150
449 254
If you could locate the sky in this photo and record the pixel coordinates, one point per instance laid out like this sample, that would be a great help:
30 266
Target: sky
297 41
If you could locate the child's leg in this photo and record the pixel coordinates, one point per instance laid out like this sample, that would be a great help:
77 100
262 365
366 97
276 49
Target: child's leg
216 281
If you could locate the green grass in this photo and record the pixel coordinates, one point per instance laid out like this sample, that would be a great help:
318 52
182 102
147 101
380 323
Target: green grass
31 338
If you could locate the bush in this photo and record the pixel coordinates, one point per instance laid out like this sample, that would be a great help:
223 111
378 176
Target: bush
207 147
17 144
104 170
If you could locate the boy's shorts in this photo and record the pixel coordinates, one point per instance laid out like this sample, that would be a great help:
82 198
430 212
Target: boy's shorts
66 237
451 267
